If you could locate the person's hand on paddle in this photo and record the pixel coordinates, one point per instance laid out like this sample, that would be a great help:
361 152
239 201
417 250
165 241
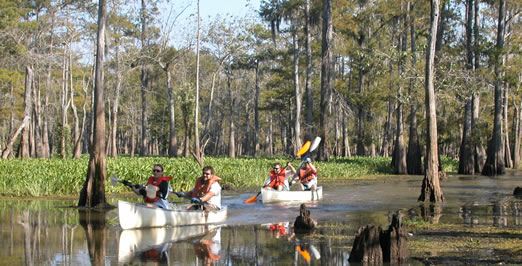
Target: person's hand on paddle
195 200
180 194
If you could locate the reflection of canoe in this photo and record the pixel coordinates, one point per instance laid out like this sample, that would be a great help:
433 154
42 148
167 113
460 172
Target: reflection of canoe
270 195
133 242
136 215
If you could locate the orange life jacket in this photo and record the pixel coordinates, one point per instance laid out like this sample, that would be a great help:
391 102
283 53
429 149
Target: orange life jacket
156 182
277 179
201 189
278 227
305 175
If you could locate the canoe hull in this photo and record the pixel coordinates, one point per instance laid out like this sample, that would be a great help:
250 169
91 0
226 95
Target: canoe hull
270 195
135 215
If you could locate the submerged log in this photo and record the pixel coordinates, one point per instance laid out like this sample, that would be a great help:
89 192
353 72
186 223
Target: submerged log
304 223
375 246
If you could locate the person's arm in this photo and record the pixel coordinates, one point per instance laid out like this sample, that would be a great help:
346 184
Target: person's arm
140 190
314 170
291 167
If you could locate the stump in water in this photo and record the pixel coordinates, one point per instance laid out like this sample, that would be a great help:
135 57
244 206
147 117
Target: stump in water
373 245
367 245
304 223
394 241
518 192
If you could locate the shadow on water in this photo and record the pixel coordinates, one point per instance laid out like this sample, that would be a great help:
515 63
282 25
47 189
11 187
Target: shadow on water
43 232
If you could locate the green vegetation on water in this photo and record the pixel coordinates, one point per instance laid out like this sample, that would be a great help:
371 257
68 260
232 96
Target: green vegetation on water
53 177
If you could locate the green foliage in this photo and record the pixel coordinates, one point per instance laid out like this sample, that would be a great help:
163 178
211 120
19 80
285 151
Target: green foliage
46 177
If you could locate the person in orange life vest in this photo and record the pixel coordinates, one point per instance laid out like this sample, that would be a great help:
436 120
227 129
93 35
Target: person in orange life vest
307 175
207 190
157 189
277 179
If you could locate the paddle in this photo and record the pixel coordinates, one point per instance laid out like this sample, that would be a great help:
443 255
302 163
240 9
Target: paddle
314 146
115 181
303 150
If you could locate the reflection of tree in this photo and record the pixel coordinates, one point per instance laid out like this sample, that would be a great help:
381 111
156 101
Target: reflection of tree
24 220
93 223
431 212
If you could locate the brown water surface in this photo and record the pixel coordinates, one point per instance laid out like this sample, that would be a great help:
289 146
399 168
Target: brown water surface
47 232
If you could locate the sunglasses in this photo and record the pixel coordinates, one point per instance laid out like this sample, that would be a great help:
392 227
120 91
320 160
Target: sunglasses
206 173
156 171
277 169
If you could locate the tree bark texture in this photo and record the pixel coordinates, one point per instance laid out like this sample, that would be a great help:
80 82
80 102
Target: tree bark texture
326 77
430 185
495 164
93 191
23 149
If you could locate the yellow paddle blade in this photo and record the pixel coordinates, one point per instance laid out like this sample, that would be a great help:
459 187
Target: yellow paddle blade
304 253
304 149
251 199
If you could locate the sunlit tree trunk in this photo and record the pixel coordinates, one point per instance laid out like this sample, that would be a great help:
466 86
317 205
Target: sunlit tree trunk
23 150
93 191
232 128
256 113
507 150
173 141
430 185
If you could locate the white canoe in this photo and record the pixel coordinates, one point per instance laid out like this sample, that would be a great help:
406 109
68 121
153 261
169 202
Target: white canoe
271 195
137 215
135 241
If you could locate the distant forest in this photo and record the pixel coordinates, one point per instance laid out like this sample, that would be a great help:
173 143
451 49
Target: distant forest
265 85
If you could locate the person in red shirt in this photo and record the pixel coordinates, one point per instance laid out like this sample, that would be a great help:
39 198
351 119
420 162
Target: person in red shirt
277 179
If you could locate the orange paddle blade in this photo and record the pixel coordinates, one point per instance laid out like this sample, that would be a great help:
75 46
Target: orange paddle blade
304 149
304 253
251 199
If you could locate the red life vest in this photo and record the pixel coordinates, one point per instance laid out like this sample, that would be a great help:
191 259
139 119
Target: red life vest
277 179
156 182
200 189
305 175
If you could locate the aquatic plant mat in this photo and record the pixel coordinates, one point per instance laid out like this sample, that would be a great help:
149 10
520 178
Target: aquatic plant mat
462 244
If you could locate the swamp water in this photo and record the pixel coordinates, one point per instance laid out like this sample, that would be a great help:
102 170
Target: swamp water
47 232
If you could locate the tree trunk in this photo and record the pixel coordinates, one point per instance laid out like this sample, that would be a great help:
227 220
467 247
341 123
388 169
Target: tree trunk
495 164
256 113
326 78
23 150
399 153
346 143
173 141
430 185
308 82
466 158
197 150
8 150
507 150
93 191
232 128
297 91
517 119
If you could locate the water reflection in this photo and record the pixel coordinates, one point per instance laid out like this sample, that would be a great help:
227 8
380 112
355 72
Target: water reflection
153 244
